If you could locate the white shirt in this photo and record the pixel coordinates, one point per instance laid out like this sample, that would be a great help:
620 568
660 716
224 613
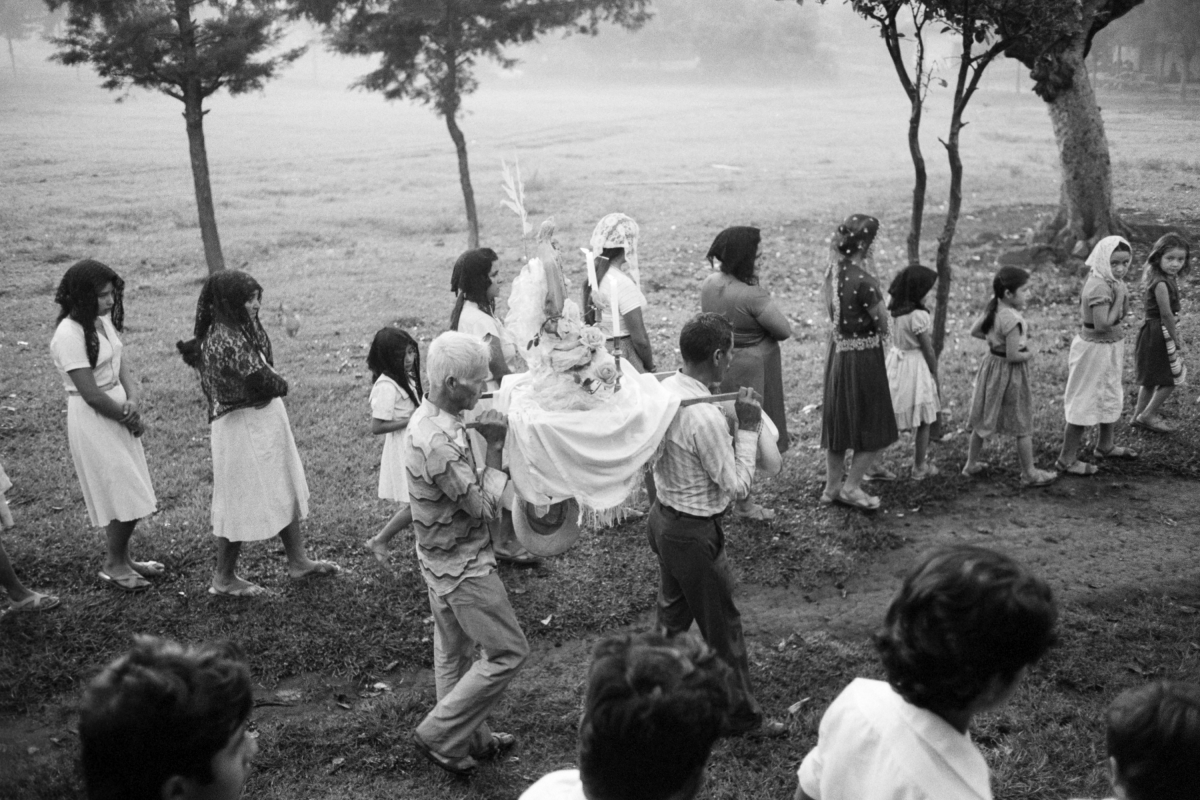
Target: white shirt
562 785
69 349
875 745
629 297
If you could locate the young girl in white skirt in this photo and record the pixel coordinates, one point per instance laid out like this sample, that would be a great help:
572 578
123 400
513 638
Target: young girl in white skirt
259 489
1095 394
395 363
103 421
1003 401
912 363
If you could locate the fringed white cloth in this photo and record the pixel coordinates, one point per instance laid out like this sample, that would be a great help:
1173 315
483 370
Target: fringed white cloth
596 455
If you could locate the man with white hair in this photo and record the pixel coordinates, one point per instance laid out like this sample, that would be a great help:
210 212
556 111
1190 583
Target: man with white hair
453 499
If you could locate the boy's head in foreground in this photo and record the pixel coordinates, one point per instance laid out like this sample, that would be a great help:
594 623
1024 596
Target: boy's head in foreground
962 630
1154 742
164 722
654 708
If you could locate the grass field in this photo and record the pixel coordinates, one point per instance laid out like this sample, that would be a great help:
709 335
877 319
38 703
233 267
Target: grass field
347 210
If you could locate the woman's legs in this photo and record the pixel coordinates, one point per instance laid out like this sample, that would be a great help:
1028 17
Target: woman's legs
835 468
117 563
9 580
1149 414
858 468
1025 455
920 446
1069 453
299 564
1107 439
378 544
973 464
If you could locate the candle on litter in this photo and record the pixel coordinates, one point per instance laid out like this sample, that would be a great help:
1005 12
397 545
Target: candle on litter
612 301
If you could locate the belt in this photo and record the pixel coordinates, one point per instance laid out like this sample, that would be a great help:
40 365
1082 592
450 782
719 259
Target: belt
684 514
1003 353
104 388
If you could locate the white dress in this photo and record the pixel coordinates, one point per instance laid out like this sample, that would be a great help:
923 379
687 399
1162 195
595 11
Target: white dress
388 402
109 460
474 321
259 486
914 391
1095 393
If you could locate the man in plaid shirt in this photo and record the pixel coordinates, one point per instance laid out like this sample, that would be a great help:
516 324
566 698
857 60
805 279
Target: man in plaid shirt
707 462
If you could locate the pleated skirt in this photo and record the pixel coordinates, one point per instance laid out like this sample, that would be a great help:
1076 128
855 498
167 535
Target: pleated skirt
109 462
259 486
857 411
1002 401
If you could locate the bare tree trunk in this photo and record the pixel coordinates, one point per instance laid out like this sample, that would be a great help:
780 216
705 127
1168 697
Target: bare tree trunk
193 115
914 88
1085 214
464 177
11 56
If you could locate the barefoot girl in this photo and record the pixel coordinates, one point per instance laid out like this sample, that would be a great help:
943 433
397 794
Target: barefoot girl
1094 393
103 423
1169 259
912 364
857 411
395 363
259 489
1003 401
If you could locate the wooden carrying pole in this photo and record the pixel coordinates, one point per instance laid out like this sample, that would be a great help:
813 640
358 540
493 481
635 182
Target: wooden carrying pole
687 401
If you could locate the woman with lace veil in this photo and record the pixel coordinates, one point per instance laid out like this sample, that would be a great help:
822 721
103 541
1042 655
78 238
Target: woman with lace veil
758 327
857 411
613 270
259 488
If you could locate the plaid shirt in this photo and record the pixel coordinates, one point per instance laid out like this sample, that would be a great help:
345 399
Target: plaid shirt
703 466
451 501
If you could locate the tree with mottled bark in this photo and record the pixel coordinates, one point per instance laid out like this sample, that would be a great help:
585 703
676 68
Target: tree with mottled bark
1056 58
186 49
427 49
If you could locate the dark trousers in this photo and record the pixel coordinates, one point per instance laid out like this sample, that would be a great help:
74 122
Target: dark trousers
695 583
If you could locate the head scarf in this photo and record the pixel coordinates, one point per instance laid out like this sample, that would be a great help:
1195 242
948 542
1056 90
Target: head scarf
471 280
855 235
909 287
617 230
223 299
1100 260
736 248
77 299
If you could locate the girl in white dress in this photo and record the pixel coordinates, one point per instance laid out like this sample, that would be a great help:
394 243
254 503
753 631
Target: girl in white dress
103 421
615 271
259 488
476 281
395 363
912 363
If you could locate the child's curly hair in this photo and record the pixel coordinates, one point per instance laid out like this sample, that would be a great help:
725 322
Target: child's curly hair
964 616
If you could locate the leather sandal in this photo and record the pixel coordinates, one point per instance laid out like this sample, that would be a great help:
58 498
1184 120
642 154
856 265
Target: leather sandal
1116 451
1076 467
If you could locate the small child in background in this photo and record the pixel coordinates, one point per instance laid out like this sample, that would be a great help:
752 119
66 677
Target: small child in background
23 599
957 640
1158 352
1002 401
395 363
1154 742
912 363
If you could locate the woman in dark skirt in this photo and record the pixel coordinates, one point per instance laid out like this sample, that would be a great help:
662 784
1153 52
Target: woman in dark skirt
857 412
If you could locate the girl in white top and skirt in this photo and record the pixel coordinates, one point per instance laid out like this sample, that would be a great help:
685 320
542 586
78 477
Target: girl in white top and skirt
615 272
104 425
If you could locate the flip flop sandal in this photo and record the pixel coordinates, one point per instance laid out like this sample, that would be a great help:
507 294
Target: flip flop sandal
864 503
128 583
978 469
1116 451
253 590
1148 426
35 602
1042 478
881 474
1077 467
149 569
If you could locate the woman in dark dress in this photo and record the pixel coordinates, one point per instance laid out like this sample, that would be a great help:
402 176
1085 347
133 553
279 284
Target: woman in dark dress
857 411
758 328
